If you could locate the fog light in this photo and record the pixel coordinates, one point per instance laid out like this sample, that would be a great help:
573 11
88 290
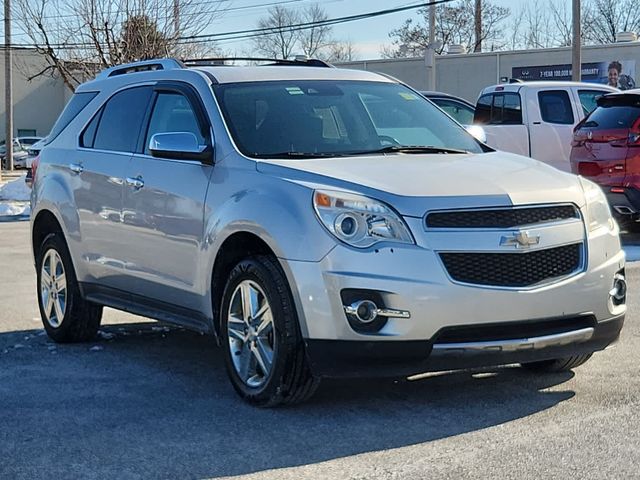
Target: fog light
365 310
619 291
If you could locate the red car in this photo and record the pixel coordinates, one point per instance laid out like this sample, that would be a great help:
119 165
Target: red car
606 149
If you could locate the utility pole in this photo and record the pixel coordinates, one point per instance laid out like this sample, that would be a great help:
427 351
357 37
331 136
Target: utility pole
176 18
430 54
8 84
576 61
478 26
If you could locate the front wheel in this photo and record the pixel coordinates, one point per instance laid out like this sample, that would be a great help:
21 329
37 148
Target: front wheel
557 365
264 351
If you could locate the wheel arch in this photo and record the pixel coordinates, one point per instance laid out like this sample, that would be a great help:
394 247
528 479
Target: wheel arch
235 247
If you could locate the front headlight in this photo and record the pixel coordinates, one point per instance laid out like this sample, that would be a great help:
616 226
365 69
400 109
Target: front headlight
359 221
598 212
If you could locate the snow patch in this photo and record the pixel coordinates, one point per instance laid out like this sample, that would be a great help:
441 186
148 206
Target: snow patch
15 190
14 208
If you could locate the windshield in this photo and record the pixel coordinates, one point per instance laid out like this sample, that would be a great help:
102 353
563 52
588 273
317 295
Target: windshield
333 118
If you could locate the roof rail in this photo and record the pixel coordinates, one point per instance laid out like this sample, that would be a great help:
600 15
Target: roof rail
298 61
142 66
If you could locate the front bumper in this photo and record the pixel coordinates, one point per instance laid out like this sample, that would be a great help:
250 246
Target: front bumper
335 358
412 278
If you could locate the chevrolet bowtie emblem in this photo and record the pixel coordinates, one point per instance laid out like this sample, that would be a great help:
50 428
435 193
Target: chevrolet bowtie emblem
520 240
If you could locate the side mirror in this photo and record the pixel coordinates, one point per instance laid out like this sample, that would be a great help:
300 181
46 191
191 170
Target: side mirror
181 146
478 132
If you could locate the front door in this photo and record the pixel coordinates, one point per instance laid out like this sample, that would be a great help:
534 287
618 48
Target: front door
164 203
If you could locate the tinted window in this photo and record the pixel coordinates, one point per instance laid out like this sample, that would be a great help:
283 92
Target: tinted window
588 99
71 111
121 120
483 110
172 112
499 109
613 117
457 110
88 136
555 107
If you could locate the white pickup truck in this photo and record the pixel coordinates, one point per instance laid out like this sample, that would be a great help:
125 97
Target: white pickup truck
536 119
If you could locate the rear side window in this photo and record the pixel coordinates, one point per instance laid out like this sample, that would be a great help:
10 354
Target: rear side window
499 109
555 107
71 111
460 112
588 99
121 119
613 117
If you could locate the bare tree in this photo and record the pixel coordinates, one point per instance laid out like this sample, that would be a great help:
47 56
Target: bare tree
342 52
279 41
611 17
455 24
79 37
317 38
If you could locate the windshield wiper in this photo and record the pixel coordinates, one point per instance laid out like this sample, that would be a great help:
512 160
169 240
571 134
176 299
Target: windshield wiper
298 155
410 149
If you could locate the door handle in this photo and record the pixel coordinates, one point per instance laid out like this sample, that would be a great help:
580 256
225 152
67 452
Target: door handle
76 168
136 183
618 167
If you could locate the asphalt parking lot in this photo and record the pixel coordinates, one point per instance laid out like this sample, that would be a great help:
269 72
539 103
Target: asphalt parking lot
148 401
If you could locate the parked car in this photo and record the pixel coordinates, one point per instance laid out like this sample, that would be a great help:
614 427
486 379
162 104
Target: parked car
606 149
536 119
319 222
34 150
458 109
20 147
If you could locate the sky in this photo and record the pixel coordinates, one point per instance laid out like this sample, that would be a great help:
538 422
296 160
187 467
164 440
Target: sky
367 35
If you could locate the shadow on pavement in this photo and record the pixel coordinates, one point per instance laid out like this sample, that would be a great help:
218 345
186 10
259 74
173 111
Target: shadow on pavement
151 401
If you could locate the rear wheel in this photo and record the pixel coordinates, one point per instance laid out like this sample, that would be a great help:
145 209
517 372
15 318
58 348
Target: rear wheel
557 365
66 316
264 351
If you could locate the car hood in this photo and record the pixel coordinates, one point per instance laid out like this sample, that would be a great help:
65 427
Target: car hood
414 184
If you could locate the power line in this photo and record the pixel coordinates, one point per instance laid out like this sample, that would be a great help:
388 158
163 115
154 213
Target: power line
255 32
207 2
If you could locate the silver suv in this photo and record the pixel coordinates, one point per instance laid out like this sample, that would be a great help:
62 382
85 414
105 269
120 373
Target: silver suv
319 222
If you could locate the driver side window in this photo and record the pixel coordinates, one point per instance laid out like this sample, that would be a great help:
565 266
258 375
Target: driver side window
172 112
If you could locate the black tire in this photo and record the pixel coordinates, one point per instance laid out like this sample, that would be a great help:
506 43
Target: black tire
557 365
80 319
290 380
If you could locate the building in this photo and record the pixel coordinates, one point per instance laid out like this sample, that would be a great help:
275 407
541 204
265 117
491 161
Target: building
36 103
465 75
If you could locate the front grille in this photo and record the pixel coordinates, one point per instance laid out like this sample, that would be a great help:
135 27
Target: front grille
513 269
500 218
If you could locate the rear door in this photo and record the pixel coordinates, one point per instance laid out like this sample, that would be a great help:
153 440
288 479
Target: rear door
164 202
500 114
99 165
552 116
606 140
